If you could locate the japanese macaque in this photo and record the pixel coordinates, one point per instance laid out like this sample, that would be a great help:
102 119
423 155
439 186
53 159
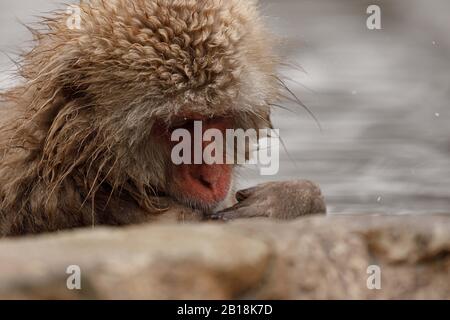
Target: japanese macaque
86 134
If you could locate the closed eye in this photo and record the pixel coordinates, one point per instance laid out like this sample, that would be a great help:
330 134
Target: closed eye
187 124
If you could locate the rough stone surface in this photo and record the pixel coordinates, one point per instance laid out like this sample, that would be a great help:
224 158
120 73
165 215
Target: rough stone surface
311 258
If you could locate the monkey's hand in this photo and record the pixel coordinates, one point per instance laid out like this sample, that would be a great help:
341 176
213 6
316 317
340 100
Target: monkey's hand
277 200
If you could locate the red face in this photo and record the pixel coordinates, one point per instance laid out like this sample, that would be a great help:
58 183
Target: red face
203 186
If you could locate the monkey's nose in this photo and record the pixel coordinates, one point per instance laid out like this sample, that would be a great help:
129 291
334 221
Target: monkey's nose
207 175
205 182
209 183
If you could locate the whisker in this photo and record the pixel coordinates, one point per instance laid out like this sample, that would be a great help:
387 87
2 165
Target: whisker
283 108
300 103
300 84
294 65
291 159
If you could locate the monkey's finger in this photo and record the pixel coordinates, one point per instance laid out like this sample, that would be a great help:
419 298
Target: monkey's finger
319 206
237 206
242 213
241 195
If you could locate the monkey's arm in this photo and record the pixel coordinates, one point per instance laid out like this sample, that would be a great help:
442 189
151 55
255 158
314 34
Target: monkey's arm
278 200
166 210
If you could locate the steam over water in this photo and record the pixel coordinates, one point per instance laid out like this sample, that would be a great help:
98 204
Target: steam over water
381 96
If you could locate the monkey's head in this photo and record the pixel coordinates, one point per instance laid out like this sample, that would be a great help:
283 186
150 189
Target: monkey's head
112 91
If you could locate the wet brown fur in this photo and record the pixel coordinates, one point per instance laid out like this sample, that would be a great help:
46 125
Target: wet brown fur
76 145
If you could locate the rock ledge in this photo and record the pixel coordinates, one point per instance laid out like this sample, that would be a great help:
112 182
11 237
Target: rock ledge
311 258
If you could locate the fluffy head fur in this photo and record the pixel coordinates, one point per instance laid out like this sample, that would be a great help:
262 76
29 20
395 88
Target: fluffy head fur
80 128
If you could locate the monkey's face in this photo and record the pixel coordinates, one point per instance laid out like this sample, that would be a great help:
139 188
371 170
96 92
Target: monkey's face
191 178
135 68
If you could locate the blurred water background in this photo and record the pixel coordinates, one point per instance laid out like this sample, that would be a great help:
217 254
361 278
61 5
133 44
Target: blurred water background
381 96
